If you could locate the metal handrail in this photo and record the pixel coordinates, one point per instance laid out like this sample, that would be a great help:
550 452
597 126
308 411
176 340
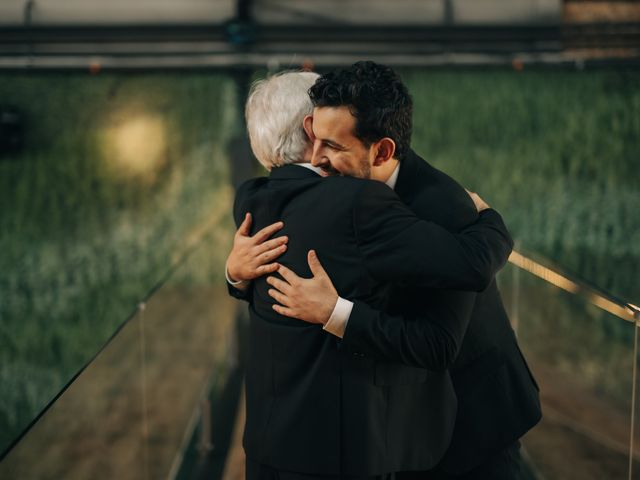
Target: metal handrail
555 275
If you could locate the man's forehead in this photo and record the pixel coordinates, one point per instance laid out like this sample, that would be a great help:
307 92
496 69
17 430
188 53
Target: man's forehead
337 119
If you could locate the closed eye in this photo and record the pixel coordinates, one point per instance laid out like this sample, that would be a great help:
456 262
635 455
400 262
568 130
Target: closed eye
333 146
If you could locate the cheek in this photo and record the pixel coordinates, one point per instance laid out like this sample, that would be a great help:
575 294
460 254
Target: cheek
341 162
337 159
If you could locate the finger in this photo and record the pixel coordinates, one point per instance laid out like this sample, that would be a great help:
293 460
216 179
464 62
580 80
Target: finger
266 232
279 297
288 275
271 254
271 244
287 312
269 268
280 285
245 226
314 264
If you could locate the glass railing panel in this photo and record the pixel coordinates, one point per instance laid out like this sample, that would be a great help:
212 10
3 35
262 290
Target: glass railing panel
189 343
95 428
131 413
582 356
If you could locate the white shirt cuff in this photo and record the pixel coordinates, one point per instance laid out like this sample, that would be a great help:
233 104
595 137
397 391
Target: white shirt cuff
337 322
239 284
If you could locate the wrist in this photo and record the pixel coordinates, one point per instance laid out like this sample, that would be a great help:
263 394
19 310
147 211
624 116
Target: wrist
331 308
232 277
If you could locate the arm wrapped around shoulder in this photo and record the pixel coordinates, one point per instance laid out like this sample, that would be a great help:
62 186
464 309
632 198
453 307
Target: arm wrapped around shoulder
398 246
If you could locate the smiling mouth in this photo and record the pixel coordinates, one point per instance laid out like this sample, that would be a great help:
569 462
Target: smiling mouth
328 172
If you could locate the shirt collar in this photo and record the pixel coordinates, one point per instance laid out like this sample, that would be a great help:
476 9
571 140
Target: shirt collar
310 167
391 181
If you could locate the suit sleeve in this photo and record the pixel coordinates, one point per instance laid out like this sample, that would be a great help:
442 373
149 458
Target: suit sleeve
397 246
430 341
238 217
240 294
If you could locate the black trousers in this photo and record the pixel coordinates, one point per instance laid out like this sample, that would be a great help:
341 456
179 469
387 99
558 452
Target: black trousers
505 465
257 471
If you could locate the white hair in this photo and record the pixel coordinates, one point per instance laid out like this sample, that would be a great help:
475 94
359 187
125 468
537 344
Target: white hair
275 110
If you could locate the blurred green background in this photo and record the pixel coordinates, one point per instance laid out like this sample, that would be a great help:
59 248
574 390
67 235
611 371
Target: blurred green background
119 171
558 153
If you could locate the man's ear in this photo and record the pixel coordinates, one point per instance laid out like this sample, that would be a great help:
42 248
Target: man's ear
385 150
307 124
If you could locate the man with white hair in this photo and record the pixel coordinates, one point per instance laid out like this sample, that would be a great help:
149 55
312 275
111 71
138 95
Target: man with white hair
273 109
314 408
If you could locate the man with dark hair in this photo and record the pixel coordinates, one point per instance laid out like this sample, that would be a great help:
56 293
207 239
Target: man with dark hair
497 395
377 99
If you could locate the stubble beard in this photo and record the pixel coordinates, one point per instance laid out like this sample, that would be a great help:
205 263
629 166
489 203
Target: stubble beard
365 169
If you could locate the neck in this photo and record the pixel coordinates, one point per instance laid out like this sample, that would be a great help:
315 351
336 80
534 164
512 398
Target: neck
384 171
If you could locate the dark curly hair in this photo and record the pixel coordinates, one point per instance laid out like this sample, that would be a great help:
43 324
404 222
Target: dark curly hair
375 96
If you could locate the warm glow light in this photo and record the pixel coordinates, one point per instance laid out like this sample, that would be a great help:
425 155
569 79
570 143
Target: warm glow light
136 146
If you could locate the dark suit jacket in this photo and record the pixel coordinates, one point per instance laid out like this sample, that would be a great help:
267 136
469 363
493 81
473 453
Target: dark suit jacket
497 395
313 406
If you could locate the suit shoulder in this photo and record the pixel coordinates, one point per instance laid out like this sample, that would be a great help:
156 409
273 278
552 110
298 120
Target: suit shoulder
455 192
251 184
354 187
243 193
444 197
365 192
440 181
